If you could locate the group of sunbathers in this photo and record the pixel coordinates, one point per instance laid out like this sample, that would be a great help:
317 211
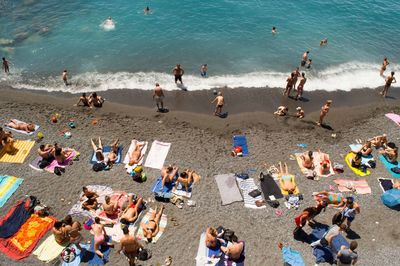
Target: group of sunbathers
230 246
93 100
308 162
186 178
284 110
49 153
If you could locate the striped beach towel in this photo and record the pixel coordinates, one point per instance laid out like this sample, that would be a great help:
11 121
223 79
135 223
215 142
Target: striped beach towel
359 186
22 147
145 220
8 185
246 186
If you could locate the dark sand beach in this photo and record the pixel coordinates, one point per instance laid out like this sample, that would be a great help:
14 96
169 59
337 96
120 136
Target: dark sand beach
203 142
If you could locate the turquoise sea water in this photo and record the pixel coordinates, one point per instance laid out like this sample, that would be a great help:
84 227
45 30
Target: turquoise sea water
42 37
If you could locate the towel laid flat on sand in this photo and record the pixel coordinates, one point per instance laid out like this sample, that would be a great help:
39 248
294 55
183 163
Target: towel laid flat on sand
394 117
292 257
319 157
385 183
241 141
170 187
22 149
22 243
35 164
8 185
388 165
364 159
106 151
206 256
157 154
67 161
22 131
128 167
270 188
246 186
14 219
359 186
228 188
162 225
357 171
49 250
92 258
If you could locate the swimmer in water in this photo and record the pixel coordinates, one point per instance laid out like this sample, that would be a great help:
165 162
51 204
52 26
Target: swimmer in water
323 42
274 31
109 22
146 10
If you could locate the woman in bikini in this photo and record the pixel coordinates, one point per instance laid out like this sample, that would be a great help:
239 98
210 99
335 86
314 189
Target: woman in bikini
21 126
152 227
379 141
324 111
390 152
307 160
385 63
112 156
136 155
286 179
330 198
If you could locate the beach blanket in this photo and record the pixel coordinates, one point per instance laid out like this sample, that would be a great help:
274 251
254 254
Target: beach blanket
292 257
206 256
8 185
391 198
388 165
285 192
131 147
170 188
318 158
35 164
14 219
67 161
93 259
22 149
22 243
49 250
157 154
385 183
116 231
228 188
106 151
162 225
270 188
394 117
357 171
246 186
241 141
79 255
22 131
359 186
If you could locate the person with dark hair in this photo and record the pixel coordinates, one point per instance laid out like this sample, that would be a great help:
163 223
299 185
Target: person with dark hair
327 238
151 228
385 63
112 156
178 73
356 162
168 174
350 210
388 82
65 77
274 30
234 250
84 100
300 87
72 229
307 215
130 247
347 256
289 84
307 160
46 152
131 213
60 233
91 199
95 100
390 152
7 141
61 154
6 66
304 59
186 178
100 237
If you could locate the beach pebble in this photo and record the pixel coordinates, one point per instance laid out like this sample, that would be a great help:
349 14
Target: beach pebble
373 239
160 121
377 222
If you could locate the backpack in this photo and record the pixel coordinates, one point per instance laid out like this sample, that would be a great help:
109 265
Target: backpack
97 167
144 254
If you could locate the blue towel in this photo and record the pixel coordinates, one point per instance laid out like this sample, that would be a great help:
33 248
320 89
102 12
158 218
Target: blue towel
167 187
79 255
391 198
92 258
389 166
240 140
292 257
107 149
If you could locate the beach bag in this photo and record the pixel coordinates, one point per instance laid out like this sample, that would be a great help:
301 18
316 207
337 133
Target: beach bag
255 193
68 254
144 254
243 176
97 167
43 163
57 170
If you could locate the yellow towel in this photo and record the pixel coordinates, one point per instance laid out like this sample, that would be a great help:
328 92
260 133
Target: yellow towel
49 250
358 172
23 148
285 193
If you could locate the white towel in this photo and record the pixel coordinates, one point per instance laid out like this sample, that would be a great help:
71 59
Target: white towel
131 147
22 131
157 154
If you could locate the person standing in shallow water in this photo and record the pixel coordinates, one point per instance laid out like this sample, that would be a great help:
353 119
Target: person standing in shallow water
178 73
65 77
324 111
6 66
304 59
385 63
388 82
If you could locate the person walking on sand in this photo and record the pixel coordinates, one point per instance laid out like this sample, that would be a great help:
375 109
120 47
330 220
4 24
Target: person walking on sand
300 87
178 73
388 82
220 103
385 63
296 73
289 84
324 111
304 59
130 247
100 237
6 66
158 96
65 77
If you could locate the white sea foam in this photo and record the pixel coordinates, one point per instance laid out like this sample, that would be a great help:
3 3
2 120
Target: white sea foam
345 77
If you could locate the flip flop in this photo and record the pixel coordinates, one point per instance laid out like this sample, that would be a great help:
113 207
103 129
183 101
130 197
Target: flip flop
168 261
278 212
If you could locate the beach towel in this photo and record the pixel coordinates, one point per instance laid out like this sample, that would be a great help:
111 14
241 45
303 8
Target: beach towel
92 258
359 186
35 164
394 117
270 188
170 188
357 171
385 183
228 188
364 159
241 141
22 131
115 232
22 149
318 159
131 147
388 165
15 218
205 255
79 256
285 192
8 185
67 161
106 151
157 154
49 250
22 243
246 186
162 225
292 257
391 198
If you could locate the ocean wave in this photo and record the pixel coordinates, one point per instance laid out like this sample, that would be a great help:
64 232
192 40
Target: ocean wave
352 75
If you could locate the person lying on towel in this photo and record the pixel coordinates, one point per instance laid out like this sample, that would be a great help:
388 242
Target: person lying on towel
91 199
379 141
7 141
168 174
330 198
21 126
325 164
131 211
307 160
187 178
234 250
390 152
112 156
151 228
286 180
136 155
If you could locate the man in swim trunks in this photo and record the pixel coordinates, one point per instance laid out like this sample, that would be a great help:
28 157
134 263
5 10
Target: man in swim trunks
130 247
385 63
289 84
112 156
146 10
72 229
60 233
6 66
234 250
152 227
136 155
324 110
326 240
111 207
65 77
158 96
84 100
186 178
131 213
203 70
178 73
304 59
100 237
21 126
96 100
350 210
46 152
300 87
307 160
388 82
220 103
168 174
91 199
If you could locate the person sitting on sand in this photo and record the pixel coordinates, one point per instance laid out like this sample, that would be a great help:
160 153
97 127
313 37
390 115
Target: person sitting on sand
7 141
129 246
136 155
100 237
366 149
60 233
187 178
91 199
112 156
323 42
152 227
300 113
211 237
390 152
110 208
324 111
46 152
286 179
27 127
234 250
168 174
379 141
84 100
356 161
307 160
385 63
131 212
95 100
72 229
282 111
61 154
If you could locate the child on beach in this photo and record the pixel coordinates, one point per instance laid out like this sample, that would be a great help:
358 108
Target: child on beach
324 111
300 113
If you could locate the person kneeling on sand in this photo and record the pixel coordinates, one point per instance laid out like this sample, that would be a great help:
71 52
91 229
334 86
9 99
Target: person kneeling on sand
131 212
100 237
300 112
187 178
282 111
168 174
95 100
27 127
234 250
130 247
152 227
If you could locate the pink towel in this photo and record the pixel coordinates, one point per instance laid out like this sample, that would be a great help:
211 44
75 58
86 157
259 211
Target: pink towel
394 117
55 164
360 186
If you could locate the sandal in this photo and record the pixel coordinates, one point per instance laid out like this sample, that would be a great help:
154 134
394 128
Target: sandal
168 261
